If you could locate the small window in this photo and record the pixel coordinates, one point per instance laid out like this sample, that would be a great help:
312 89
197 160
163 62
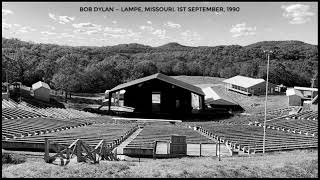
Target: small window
156 97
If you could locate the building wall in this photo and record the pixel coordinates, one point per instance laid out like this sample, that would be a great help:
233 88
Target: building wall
294 100
42 94
314 107
260 89
140 97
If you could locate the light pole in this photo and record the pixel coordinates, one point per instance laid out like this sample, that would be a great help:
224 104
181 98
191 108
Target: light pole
265 108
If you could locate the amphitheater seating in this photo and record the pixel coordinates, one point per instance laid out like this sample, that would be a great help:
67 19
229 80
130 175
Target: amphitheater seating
14 128
305 122
90 134
304 115
15 113
162 132
249 139
8 104
278 112
26 110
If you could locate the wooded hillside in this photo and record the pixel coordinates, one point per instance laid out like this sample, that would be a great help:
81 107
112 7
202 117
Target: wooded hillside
95 69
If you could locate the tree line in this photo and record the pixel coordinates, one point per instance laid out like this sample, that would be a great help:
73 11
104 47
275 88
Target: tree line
95 69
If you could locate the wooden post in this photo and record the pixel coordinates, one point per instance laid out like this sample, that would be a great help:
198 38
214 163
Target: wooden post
109 102
219 151
200 149
115 153
78 146
139 152
46 150
168 146
154 149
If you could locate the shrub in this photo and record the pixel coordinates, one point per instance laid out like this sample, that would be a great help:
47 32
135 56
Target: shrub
8 158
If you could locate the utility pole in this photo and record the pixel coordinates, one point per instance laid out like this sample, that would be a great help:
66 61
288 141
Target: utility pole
265 108
312 83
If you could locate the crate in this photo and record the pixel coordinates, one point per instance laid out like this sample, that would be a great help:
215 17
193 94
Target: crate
178 149
177 139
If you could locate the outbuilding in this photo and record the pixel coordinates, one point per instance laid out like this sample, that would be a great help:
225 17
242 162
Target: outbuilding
249 86
41 91
159 94
295 97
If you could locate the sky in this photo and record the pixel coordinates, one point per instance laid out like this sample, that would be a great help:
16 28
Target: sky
245 23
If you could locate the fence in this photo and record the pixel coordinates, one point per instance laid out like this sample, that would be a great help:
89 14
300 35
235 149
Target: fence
162 149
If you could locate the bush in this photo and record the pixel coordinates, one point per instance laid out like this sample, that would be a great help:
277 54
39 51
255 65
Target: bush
8 158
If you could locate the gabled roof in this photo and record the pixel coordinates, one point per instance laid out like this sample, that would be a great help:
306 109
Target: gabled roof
291 91
305 88
161 77
40 84
243 81
216 95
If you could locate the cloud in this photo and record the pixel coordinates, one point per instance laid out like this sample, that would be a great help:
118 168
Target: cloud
17 25
25 29
114 30
66 35
87 25
28 28
147 28
50 27
87 28
242 30
161 33
47 33
6 26
120 33
190 36
112 35
6 12
172 25
65 19
297 13
149 22
92 32
61 19
114 22
52 16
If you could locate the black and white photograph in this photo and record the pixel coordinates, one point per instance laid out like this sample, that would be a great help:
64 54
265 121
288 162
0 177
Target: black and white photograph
200 89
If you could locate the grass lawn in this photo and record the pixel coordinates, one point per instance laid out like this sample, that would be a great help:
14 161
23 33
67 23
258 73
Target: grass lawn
292 164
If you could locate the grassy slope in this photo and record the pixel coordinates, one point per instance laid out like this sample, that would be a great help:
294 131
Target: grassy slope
195 80
251 104
290 164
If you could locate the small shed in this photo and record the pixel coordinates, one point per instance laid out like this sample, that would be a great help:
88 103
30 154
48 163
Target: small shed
41 91
294 97
249 86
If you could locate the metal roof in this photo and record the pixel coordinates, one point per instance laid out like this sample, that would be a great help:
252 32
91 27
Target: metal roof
161 77
40 84
305 88
216 95
292 91
243 81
